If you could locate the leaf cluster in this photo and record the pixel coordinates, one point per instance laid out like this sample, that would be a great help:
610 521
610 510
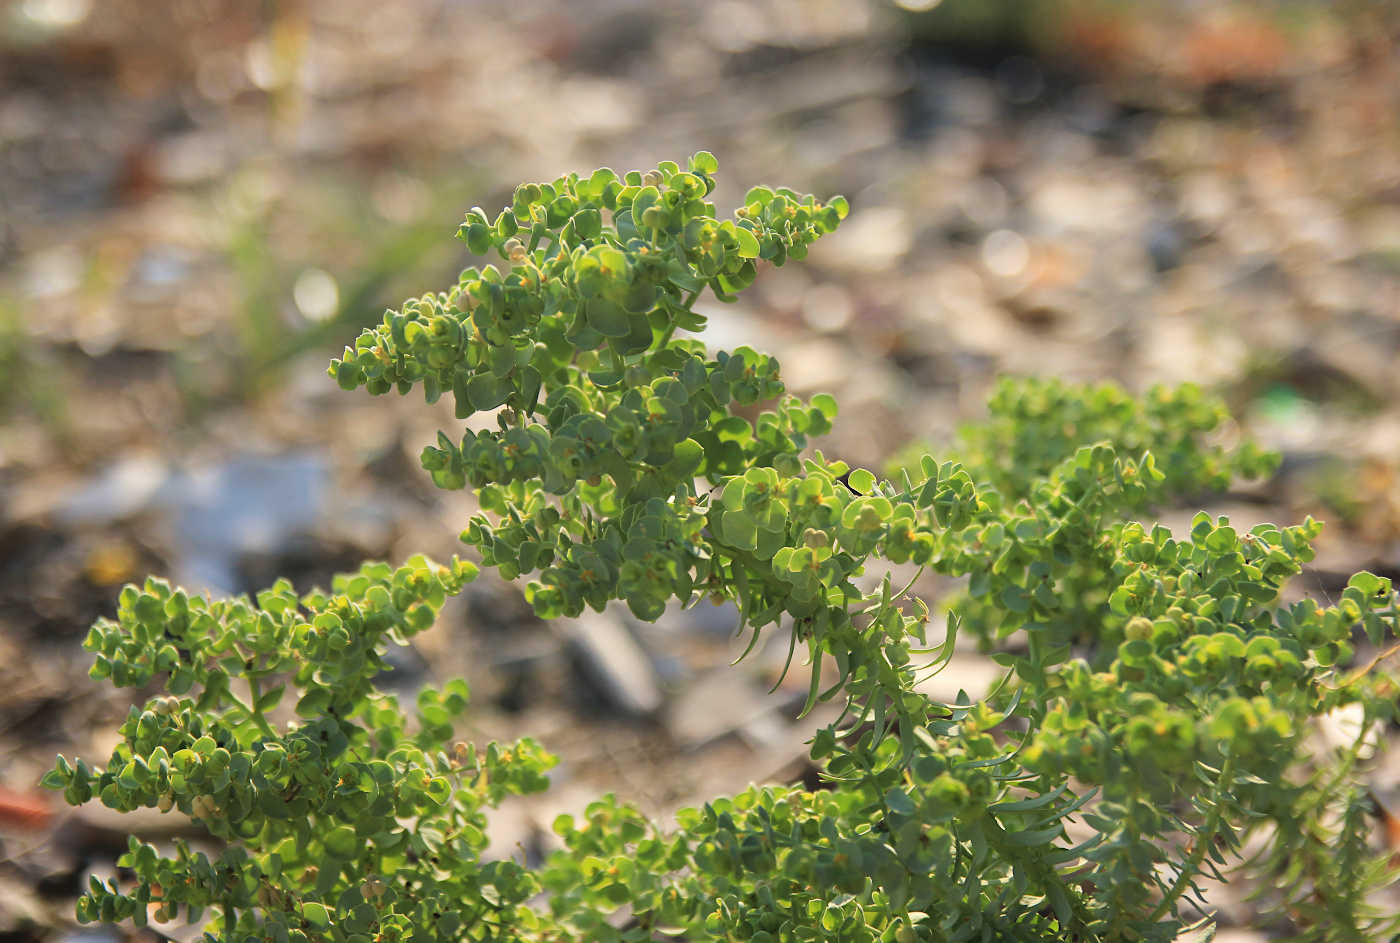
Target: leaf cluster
1155 711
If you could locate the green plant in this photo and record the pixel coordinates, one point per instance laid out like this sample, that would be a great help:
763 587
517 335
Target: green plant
1159 692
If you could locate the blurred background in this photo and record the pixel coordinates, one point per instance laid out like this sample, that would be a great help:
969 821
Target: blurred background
201 201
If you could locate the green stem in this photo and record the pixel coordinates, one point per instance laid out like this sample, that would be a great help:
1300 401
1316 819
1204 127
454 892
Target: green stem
1204 836
666 337
1048 875
255 715
671 327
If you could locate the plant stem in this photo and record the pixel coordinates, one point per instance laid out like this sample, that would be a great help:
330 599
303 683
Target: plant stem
256 715
1204 835
671 327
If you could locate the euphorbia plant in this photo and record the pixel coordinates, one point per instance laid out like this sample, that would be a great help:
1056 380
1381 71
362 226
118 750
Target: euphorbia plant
1157 704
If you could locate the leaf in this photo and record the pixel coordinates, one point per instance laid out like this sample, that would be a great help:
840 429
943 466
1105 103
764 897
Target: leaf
861 481
1221 540
1031 838
1065 855
316 914
704 162
270 699
341 843
479 238
1029 805
741 590
600 180
740 530
607 318
814 687
1368 583
313 703
748 245
438 789
272 805
639 336
1016 599
487 392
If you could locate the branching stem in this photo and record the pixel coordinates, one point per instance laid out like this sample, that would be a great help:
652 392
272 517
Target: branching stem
1204 836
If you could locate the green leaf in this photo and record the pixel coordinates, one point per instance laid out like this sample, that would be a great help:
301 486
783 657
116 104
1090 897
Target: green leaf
270 699
826 403
438 789
748 245
639 336
1136 653
341 843
1016 599
862 481
272 805
479 239
599 181
316 914
314 703
1042 836
1368 583
740 530
1029 805
1221 540
608 318
704 162
487 392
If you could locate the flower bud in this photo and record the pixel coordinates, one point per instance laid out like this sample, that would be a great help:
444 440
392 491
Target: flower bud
655 217
1138 629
